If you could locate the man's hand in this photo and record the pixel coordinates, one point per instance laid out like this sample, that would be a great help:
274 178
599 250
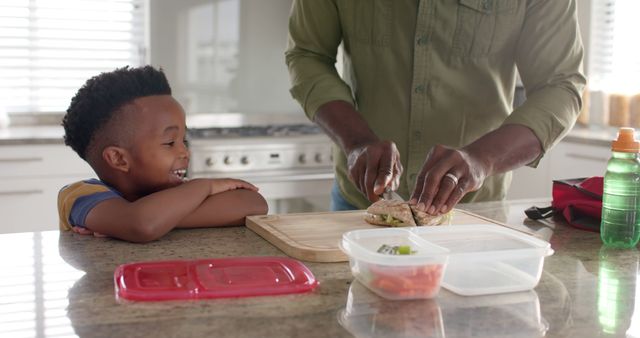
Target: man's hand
446 176
85 231
375 166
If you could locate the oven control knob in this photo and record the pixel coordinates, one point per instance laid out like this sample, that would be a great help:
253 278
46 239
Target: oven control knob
227 160
302 159
319 158
244 160
209 162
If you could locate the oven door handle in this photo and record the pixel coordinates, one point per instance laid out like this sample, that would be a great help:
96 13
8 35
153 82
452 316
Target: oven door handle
270 177
288 178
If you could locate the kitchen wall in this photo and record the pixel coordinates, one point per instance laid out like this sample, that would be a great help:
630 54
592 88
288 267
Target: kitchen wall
584 18
224 56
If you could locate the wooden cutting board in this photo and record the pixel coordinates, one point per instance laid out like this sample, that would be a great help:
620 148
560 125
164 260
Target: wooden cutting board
315 236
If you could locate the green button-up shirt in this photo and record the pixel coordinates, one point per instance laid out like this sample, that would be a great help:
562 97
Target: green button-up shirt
426 72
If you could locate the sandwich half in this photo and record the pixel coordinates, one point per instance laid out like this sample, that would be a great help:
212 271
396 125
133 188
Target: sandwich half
399 214
390 213
423 218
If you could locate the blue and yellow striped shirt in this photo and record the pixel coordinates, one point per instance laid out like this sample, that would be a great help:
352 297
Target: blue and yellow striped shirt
77 199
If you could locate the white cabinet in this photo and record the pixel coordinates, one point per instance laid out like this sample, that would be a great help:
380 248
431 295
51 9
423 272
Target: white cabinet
30 178
572 160
568 159
530 182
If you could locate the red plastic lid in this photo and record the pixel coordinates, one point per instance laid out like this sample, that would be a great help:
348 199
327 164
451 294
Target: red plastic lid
212 278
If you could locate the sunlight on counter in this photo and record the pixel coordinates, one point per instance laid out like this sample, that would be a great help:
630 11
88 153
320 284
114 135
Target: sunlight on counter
35 297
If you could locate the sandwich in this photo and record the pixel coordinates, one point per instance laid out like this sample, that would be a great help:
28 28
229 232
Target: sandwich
390 213
395 213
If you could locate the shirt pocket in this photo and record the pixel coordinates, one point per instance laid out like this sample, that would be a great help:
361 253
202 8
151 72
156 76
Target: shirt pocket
370 22
483 27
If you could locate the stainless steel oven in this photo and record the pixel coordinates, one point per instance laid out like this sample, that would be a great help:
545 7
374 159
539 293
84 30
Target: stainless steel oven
291 164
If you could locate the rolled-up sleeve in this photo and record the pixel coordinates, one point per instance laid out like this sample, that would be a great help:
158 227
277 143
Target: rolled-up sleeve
549 59
314 36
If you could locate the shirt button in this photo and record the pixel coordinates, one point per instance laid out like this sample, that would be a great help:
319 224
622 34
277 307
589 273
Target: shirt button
422 40
486 4
419 89
417 134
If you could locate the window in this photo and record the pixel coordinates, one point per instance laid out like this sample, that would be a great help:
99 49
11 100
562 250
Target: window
614 69
49 48
615 53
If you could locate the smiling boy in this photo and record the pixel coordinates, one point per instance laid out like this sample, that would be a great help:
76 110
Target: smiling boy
129 128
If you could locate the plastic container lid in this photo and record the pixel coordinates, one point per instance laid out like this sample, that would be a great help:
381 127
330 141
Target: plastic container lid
626 141
212 278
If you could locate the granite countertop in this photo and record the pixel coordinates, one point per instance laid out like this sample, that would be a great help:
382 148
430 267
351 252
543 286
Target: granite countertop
62 284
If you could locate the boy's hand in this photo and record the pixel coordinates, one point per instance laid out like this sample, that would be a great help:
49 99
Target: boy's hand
85 231
225 184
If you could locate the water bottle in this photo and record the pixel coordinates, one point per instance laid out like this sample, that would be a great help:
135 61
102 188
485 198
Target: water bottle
620 227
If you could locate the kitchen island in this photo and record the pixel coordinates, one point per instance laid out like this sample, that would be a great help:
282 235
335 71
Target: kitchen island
61 284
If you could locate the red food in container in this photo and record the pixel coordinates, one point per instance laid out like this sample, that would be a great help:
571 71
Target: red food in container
407 282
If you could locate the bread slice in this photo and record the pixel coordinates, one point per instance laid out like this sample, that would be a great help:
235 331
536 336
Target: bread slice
390 213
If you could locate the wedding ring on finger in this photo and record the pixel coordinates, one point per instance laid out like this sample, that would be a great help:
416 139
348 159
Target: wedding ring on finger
452 177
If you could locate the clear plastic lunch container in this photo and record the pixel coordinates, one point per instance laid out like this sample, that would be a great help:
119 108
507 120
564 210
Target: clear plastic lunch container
465 259
413 276
488 259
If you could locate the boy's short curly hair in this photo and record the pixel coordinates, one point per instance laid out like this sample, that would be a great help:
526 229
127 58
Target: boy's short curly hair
101 96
